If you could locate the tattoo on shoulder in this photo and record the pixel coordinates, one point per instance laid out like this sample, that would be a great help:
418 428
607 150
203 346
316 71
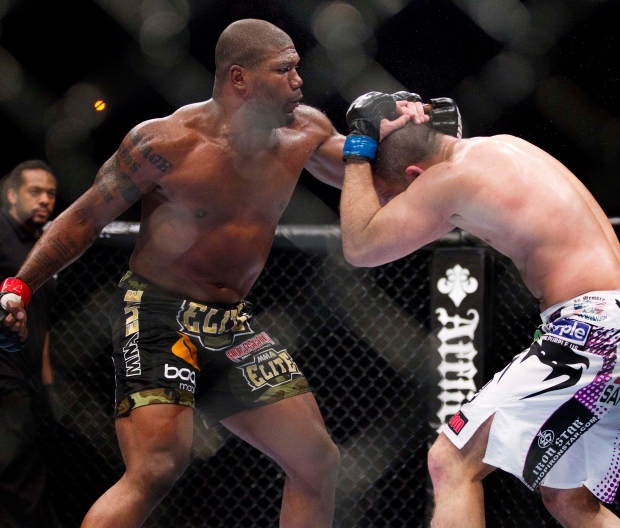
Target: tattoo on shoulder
158 161
110 181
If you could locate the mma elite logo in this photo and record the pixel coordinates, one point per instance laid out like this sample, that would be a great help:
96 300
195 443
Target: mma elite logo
215 328
270 368
131 352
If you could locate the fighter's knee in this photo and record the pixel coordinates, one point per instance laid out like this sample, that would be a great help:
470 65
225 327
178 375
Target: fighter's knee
332 459
325 460
320 467
161 470
440 459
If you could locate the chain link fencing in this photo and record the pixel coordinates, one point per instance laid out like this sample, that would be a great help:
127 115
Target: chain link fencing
361 336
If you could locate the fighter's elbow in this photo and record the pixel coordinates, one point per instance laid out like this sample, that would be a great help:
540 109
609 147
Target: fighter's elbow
357 256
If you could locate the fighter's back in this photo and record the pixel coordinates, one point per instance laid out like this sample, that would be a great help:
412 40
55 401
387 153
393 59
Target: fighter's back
530 207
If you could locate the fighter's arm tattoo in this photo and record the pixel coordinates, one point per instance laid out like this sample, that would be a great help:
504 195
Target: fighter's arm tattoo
50 258
117 175
109 180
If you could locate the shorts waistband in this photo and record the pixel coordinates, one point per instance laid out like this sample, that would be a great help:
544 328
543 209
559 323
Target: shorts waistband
569 305
133 281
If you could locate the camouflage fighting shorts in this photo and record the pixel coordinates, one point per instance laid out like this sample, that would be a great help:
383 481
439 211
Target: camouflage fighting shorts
175 350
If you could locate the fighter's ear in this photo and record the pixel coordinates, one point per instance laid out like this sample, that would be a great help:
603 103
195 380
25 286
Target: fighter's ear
413 171
237 76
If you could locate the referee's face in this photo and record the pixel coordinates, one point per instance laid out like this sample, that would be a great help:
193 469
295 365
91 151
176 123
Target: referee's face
33 203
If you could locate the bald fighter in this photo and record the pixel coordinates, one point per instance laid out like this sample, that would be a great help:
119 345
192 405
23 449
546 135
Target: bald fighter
214 179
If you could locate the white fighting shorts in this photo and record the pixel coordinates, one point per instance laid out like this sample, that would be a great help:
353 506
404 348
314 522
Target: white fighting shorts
557 404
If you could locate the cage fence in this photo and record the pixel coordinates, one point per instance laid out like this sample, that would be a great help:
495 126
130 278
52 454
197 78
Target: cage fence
365 340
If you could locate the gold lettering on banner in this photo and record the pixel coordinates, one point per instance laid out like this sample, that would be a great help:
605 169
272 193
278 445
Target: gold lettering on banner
228 315
288 360
131 323
210 325
250 372
278 362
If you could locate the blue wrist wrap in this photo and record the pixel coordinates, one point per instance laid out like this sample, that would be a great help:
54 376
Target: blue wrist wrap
359 147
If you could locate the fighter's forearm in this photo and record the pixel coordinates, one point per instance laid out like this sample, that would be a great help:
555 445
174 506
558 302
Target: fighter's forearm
358 205
62 243
326 164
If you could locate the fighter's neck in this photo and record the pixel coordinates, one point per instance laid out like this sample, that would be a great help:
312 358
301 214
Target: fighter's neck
251 140
241 130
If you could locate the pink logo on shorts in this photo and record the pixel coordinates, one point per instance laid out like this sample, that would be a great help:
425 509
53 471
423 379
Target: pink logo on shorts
457 422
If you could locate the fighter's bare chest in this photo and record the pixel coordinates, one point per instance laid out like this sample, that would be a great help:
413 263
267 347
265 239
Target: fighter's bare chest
271 169
220 186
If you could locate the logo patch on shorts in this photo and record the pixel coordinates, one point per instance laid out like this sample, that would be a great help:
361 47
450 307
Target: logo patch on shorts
270 368
572 331
457 422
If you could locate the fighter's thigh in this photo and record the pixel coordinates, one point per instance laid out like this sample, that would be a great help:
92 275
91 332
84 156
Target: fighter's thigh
288 430
154 434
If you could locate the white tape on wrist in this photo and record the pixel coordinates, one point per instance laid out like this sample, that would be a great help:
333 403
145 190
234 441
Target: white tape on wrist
10 297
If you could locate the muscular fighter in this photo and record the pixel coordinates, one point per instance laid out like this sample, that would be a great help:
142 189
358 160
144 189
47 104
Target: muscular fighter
550 417
214 179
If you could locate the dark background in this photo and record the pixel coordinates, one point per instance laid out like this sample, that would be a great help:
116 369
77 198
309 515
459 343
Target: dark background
547 71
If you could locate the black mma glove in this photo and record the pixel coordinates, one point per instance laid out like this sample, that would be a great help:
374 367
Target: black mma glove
445 117
364 119
407 96
12 289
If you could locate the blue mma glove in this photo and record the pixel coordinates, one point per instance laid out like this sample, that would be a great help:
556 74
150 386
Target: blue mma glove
364 119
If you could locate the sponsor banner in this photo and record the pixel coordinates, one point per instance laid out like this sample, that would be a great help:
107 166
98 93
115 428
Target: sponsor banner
459 325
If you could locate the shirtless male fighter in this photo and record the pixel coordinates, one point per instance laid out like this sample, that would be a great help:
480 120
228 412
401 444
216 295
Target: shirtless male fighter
214 179
546 417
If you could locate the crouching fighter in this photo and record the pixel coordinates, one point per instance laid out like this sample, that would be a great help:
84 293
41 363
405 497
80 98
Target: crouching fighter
551 417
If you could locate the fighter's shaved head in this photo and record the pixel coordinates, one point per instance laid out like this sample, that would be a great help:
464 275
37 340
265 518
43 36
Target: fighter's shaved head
247 42
406 146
